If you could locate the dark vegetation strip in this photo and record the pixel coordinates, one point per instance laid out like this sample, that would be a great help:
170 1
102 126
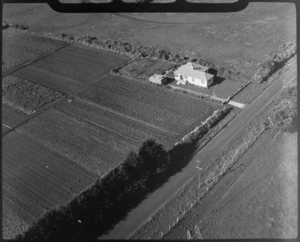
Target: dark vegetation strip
96 210
275 61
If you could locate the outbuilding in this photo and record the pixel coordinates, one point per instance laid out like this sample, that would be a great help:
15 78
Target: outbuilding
158 79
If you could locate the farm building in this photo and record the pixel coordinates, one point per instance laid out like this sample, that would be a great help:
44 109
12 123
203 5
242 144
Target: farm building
194 74
158 79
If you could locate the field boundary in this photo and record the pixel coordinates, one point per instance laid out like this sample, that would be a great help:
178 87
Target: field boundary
94 124
124 116
9 72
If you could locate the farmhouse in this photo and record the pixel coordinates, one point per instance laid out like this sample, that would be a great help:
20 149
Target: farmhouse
194 74
158 79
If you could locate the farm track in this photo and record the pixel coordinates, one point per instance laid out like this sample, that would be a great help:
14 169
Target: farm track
215 20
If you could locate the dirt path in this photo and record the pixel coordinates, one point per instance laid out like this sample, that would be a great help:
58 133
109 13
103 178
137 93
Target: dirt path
157 199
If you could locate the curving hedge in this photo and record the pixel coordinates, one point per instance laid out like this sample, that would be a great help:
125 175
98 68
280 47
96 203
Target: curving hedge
97 209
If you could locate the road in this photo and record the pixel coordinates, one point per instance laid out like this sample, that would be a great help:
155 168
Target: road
138 216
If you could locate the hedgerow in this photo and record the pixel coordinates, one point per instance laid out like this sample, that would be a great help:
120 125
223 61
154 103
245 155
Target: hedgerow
95 210
276 61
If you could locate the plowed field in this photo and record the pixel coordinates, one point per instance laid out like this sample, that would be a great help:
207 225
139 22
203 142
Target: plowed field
35 179
111 121
11 118
71 68
89 145
157 107
20 47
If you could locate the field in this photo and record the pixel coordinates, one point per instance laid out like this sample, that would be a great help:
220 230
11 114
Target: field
157 107
86 144
61 151
26 96
113 117
71 68
11 118
261 200
249 191
20 47
125 127
35 179
239 40
142 69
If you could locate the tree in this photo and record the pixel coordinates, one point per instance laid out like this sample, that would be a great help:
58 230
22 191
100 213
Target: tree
154 155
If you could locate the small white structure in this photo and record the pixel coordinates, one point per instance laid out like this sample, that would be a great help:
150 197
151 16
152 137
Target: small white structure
158 79
195 74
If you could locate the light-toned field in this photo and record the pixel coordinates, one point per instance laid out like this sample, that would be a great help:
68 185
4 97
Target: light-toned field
71 68
239 40
19 47
262 203
35 180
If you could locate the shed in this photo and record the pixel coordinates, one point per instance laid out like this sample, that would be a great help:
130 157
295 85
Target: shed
158 79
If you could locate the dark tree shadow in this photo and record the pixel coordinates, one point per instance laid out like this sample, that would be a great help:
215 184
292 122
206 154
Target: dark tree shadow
217 80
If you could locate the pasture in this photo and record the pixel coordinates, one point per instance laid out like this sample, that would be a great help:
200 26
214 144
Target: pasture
71 68
238 40
36 179
19 47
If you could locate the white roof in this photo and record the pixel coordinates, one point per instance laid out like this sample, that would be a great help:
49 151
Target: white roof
194 70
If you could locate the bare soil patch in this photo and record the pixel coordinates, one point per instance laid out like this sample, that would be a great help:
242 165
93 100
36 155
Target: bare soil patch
26 96
36 180
71 68
19 47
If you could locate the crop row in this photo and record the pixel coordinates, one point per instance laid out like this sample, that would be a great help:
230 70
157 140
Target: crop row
70 68
89 145
20 47
147 103
126 127
35 179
